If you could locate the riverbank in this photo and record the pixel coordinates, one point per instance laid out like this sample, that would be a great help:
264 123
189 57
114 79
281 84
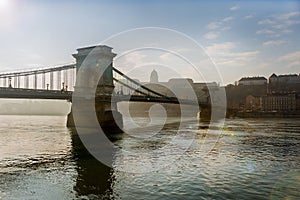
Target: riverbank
295 114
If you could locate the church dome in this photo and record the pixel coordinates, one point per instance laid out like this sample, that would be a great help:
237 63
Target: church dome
154 77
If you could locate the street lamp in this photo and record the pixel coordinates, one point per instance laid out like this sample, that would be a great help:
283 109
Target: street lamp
9 82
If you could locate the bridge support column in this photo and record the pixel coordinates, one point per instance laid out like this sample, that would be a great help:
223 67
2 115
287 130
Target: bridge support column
107 113
26 81
43 81
35 80
51 81
58 73
18 80
205 114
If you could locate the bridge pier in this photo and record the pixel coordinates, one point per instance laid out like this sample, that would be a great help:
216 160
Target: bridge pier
110 120
205 114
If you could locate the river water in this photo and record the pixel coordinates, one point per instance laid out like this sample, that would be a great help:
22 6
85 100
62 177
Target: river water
251 159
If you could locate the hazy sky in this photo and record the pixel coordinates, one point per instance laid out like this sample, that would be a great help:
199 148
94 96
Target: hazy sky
244 38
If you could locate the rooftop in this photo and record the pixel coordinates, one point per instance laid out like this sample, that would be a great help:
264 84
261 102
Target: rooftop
252 78
284 75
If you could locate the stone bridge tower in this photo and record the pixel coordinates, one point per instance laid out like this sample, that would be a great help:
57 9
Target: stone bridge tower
92 88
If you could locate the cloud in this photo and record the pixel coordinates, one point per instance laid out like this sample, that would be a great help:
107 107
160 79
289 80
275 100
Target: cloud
291 22
287 31
266 21
294 63
273 43
235 7
287 16
135 58
227 19
287 60
211 35
218 48
248 17
295 56
227 54
213 25
226 28
291 59
265 32
218 26
278 25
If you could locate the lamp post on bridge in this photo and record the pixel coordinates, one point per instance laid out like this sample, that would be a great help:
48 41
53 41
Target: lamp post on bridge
9 82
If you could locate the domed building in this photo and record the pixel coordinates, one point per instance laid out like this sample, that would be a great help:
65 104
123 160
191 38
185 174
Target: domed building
154 77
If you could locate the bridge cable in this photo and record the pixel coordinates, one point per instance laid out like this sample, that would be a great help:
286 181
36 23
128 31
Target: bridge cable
39 71
128 86
135 82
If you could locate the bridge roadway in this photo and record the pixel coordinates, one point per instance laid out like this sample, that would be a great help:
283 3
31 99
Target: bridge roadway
19 93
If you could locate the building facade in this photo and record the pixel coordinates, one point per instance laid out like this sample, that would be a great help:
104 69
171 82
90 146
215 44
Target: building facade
287 79
279 103
284 84
253 103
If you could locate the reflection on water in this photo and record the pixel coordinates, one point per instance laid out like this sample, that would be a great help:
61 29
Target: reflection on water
252 159
94 179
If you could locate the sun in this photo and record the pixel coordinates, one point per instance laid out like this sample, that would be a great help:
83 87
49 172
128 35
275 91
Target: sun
4 4
5 8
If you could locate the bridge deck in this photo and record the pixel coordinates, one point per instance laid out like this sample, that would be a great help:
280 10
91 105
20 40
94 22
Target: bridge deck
139 98
19 93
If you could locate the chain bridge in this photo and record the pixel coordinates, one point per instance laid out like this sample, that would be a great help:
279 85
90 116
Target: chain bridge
59 82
